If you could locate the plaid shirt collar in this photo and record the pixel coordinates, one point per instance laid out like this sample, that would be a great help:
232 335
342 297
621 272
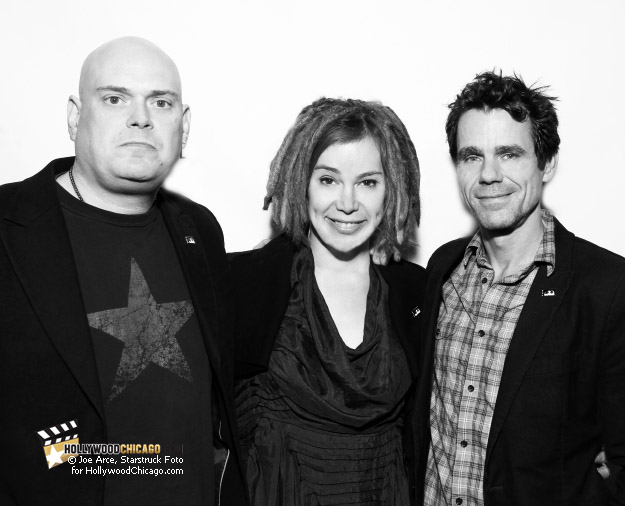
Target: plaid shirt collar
546 253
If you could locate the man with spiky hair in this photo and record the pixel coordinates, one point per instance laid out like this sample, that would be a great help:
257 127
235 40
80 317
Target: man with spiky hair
114 308
524 360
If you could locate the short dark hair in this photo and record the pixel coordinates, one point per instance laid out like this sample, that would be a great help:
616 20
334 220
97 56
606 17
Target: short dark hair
330 121
490 90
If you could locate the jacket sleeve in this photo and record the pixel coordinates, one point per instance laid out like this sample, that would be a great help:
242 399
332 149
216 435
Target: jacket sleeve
612 392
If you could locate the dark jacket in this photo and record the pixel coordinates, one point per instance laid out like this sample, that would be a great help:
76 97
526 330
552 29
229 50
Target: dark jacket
47 365
562 392
262 281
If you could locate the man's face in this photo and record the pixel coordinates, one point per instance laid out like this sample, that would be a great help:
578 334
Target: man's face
129 122
498 170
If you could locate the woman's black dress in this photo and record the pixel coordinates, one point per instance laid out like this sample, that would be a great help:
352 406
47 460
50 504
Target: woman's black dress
323 425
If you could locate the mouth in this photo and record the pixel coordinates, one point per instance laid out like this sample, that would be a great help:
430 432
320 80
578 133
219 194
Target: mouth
487 195
493 197
346 227
493 192
493 202
138 144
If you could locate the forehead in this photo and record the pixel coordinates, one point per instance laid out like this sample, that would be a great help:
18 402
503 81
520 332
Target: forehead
363 153
138 69
495 127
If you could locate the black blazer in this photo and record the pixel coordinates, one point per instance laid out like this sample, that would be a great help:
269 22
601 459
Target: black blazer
562 392
262 281
47 366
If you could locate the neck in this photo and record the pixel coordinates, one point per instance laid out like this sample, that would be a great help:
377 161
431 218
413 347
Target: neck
109 201
327 260
511 250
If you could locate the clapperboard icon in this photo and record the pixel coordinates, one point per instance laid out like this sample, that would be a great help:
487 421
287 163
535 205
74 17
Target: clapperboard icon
53 440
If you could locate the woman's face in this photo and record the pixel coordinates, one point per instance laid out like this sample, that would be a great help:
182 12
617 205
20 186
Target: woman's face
346 196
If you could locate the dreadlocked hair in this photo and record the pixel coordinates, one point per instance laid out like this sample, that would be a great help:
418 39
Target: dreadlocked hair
335 121
491 90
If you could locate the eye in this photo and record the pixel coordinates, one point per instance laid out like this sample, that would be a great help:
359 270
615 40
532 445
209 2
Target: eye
326 180
509 156
471 159
163 104
369 183
113 100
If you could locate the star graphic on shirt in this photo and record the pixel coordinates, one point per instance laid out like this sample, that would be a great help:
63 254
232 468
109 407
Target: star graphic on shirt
54 457
147 329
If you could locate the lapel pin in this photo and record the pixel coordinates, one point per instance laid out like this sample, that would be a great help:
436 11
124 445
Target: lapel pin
548 293
415 311
189 239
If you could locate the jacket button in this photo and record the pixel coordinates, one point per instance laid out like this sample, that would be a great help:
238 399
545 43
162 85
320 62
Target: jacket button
481 333
458 501
464 444
470 388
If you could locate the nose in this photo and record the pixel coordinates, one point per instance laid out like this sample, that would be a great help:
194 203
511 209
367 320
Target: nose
139 116
491 171
347 201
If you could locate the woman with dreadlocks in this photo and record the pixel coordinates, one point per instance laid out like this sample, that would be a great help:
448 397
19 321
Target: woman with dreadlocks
327 341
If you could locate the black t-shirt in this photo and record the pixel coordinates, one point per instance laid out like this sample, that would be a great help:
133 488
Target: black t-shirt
152 363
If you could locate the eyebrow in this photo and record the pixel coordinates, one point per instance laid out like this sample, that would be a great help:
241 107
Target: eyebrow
469 151
336 171
126 91
512 148
499 150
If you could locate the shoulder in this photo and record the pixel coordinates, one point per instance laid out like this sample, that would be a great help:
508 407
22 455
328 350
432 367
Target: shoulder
268 267
34 194
586 251
596 269
403 272
585 258
8 194
188 206
203 219
597 280
10 191
276 251
448 253
406 282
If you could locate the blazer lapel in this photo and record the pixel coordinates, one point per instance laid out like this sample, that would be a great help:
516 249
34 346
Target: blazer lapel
199 277
534 322
263 289
404 300
37 242
437 274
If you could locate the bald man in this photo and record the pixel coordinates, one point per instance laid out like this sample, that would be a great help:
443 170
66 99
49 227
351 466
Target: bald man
114 308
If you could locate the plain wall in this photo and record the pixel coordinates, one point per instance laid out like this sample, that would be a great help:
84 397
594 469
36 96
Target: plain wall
248 67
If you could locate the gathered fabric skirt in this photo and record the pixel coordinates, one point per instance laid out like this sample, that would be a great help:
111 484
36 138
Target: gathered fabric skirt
323 425
290 465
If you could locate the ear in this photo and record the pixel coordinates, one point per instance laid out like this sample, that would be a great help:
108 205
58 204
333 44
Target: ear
186 124
73 115
550 168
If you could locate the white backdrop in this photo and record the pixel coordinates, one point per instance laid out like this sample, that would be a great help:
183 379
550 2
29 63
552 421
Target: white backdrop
249 66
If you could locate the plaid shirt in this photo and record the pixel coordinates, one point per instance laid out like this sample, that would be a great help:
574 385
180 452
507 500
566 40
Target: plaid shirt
476 320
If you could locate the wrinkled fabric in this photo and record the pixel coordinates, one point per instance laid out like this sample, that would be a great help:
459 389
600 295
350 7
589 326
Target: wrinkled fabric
323 425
